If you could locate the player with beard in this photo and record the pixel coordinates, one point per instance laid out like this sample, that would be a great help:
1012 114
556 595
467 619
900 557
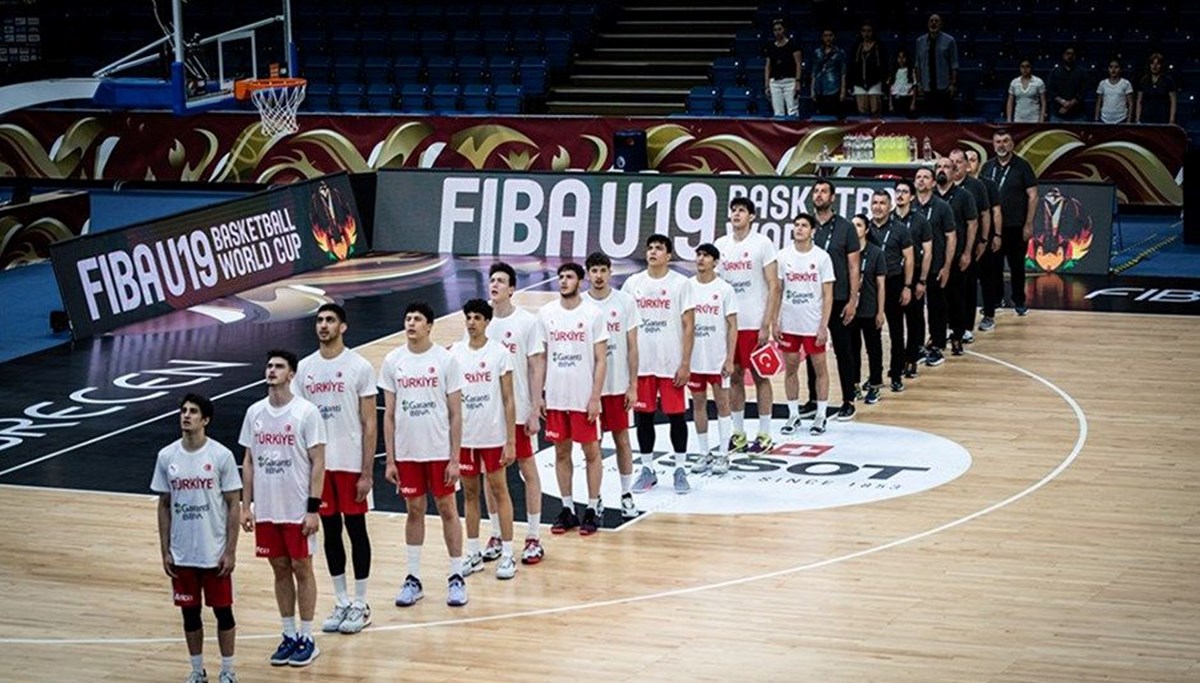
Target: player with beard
979 247
922 235
990 257
836 236
894 239
945 244
966 224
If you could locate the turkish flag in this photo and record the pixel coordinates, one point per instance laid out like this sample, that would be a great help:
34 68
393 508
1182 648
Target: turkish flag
766 360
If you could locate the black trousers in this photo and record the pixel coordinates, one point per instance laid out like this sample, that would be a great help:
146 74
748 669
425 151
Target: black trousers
991 281
935 301
955 295
840 338
938 104
914 319
970 301
1014 247
866 334
894 313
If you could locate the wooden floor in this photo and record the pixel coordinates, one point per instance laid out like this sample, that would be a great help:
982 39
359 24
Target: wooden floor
1044 562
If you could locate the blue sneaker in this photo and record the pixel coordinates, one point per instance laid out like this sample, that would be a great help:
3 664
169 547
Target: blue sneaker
283 653
306 651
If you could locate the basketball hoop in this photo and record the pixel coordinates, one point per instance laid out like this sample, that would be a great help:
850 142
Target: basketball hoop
277 100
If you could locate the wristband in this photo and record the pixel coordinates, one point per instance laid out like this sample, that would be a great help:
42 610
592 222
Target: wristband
314 504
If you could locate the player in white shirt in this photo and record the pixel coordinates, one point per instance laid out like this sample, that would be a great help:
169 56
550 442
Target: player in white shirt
517 330
198 489
712 356
807 275
284 475
748 263
664 301
622 320
422 433
341 383
576 354
489 434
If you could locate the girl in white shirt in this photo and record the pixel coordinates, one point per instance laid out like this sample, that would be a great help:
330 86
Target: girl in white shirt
1115 96
902 87
1026 97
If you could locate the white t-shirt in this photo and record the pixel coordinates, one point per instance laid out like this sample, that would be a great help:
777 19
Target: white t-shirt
482 397
421 382
802 275
620 315
901 86
335 386
279 439
571 337
1027 99
714 302
1114 107
197 481
661 304
521 334
742 265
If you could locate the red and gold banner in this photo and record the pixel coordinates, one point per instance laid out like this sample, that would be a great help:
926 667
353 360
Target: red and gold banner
1144 162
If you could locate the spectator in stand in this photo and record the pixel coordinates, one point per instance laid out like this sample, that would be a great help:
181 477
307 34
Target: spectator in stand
936 60
829 76
782 72
1066 89
1156 98
1114 96
1026 97
868 72
902 87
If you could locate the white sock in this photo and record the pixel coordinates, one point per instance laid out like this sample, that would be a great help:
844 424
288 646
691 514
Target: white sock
764 424
472 545
506 549
822 406
626 484
455 566
289 626
724 431
339 590
414 560
647 460
494 518
569 503
793 409
360 590
226 663
702 439
739 420
197 662
306 629
535 525
680 460
594 503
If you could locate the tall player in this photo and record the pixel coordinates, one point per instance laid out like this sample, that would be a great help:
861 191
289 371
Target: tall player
518 331
284 474
198 489
341 383
808 276
577 349
664 300
712 356
489 434
622 320
748 263
422 423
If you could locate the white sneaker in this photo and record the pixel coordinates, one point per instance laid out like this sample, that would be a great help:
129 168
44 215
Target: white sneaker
227 677
704 464
506 568
628 507
358 617
493 549
335 619
197 677
792 424
720 465
472 563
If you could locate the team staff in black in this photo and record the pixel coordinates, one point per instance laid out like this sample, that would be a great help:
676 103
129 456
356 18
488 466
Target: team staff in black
966 225
837 237
945 244
1018 201
894 239
982 237
990 259
868 322
922 237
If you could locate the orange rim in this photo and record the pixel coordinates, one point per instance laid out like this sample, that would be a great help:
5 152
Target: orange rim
243 88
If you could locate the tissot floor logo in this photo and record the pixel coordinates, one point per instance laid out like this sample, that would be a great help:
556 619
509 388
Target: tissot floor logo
851 463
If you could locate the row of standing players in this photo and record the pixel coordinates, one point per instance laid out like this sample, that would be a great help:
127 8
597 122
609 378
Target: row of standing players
468 412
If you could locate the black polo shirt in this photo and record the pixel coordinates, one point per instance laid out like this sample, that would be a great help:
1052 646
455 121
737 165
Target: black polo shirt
1013 179
921 231
868 292
962 204
941 222
839 239
980 195
892 237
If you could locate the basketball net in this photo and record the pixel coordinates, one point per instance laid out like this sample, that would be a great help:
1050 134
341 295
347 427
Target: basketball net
278 106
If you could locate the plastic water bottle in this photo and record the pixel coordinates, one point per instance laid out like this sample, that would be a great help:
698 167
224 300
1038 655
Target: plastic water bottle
927 149
912 148
824 153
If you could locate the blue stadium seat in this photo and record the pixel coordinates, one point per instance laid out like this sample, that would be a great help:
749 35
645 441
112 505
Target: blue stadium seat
317 67
552 16
435 43
460 17
472 70
346 68
736 101
441 69
509 99
319 97
503 70
527 42
534 75
726 72
493 16
702 101
521 16
350 97
446 97
748 43
377 69
414 97
381 97
559 46
467 43
428 16
408 69
496 42
405 42
477 98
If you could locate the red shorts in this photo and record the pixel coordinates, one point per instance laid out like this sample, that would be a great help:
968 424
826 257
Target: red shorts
649 388
613 416
470 460
792 343
570 425
338 496
747 342
523 444
272 539
699 382
190 582
418 477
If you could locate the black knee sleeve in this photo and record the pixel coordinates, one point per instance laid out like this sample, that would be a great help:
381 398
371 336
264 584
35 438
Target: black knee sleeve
191 619
360 545
224 617
335 551
645 431
679 433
